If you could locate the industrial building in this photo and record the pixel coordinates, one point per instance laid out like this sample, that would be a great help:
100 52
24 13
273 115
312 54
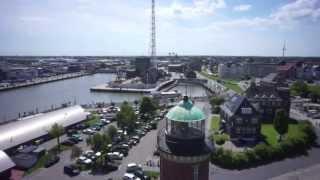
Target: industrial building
30 128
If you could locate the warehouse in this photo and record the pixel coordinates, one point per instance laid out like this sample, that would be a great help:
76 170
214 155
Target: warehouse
30 128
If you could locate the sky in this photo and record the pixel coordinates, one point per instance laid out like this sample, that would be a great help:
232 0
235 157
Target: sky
185 27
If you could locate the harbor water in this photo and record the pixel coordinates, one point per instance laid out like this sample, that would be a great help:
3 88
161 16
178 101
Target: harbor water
77 90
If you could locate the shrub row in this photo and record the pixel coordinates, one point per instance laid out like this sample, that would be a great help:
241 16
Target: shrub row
263 153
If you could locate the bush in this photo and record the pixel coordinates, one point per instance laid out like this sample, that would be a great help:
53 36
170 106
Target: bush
293 145
221 139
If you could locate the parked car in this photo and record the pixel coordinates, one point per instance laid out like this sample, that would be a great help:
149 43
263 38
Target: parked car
133 167
88 131
137 138
71 170
77 137
130 176
52 159
115 156
68 142
111 167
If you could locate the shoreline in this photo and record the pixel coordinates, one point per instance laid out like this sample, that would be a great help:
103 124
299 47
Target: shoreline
45 80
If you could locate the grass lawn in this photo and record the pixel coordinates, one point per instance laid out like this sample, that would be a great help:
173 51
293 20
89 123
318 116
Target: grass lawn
38 165
268 131
95 119
233 86
229 83
152 174
215 123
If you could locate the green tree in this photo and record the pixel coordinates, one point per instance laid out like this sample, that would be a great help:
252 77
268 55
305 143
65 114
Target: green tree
99 142
281 123
56 131
147 106
112 131
300 88
76 151
126 117
216 101
215 104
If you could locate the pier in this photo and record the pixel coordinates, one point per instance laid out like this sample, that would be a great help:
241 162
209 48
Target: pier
107 88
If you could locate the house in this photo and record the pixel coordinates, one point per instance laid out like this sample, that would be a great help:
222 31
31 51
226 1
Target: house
267 98
240 119
287 71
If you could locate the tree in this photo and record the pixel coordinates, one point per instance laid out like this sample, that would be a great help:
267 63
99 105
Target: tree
215 104
300 88
147 106
281 123
126 117
76 151
99 142
216 101
112 131
56 131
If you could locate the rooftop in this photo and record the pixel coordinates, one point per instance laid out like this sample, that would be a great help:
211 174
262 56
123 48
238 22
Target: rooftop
16 133
5 162
185 111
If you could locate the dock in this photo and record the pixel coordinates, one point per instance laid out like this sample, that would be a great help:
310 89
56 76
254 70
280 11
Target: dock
106 88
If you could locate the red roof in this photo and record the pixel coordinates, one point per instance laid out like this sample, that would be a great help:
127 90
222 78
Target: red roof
286 67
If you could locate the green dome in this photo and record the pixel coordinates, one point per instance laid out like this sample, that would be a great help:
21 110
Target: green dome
185 112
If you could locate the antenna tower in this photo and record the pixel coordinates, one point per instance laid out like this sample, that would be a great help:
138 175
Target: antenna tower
153 32
284 49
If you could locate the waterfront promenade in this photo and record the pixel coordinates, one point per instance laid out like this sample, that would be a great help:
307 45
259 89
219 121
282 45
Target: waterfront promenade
43 80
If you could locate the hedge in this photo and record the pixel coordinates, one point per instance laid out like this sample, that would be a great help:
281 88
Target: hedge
262 153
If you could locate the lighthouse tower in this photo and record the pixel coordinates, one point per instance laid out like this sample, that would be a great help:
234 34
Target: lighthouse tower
184 153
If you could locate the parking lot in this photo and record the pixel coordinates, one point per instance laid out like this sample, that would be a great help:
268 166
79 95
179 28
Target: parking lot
140 154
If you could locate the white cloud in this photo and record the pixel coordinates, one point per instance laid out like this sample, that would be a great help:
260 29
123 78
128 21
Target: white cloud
198 8
297 10
35 19
242 7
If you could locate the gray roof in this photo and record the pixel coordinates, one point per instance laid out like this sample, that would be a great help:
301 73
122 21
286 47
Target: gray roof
233 104
30 128
5 162
270 77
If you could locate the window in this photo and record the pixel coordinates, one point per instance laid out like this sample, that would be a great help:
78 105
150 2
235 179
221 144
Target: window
254 121
239 120
238 130
195 173
246 110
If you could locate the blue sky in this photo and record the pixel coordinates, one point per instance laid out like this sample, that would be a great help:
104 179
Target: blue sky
186 27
